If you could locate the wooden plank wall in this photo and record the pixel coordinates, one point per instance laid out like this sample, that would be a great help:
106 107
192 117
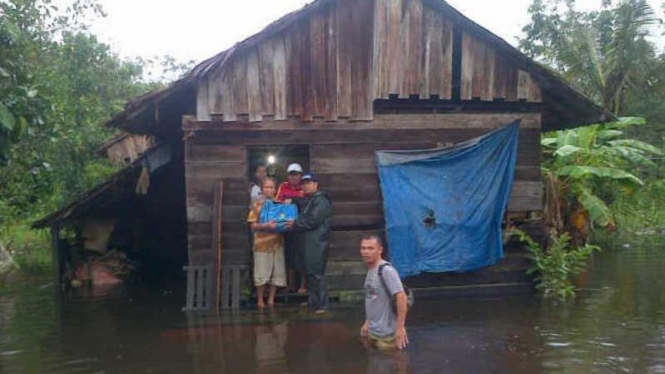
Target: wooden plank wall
207 163
342 154
413 50
489 75
319 68
333 63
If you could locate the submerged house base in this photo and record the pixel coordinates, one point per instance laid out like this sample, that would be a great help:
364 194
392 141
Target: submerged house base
131 226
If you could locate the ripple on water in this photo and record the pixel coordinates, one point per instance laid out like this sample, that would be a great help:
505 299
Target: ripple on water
10 353
618 326
558 344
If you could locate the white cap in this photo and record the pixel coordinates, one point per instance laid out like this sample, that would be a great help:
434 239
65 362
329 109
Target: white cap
294 168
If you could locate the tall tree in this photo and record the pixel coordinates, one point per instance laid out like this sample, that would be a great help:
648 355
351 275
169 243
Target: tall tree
605 52
58 85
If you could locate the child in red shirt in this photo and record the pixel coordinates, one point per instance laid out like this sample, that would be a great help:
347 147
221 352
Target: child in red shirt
287 192
291 189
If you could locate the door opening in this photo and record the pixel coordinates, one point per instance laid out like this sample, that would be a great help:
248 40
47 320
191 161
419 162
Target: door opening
277 158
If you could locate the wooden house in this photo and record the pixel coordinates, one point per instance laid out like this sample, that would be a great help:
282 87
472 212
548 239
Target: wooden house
329 85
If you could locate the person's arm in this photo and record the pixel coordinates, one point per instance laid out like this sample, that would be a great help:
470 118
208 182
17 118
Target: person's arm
315 217
396 289
255 192
253 219
268 226
364 330
401 338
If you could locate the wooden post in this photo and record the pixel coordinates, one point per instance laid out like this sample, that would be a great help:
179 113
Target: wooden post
218 191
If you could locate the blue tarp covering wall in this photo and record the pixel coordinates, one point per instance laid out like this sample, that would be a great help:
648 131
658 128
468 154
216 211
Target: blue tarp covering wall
443 207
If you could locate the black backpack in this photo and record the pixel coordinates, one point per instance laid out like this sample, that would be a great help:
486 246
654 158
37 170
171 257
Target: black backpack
410 298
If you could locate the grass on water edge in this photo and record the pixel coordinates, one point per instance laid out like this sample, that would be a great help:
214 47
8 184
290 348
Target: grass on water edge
30 249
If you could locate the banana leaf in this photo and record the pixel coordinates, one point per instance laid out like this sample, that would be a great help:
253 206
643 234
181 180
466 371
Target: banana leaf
575 171
567 150
642 146
599 212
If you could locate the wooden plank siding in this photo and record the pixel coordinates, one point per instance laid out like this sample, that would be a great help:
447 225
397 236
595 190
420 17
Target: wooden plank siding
335 62
413 50
487 75
126 149
342 154
318 69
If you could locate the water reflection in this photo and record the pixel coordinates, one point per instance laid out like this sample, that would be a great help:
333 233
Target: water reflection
616 325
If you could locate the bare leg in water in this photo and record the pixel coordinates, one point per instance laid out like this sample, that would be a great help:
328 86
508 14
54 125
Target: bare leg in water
271 295
303 284
259 296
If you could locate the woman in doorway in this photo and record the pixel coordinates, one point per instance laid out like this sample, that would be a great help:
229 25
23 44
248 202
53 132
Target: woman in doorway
260 174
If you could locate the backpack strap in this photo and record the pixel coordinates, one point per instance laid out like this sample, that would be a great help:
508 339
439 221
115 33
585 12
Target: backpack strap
383 280
407 291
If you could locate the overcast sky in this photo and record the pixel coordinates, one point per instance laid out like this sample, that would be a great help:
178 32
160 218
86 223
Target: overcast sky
198 29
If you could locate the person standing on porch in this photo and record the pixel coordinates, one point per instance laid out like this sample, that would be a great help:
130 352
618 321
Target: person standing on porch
386 302
268 247
291 191
260 174
313 231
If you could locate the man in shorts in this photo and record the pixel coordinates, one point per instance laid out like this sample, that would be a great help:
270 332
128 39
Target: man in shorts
268 249
385 300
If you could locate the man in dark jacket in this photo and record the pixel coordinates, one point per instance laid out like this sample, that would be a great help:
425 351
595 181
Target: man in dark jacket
313 227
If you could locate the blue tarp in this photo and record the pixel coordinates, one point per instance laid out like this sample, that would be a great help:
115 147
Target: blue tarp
443 207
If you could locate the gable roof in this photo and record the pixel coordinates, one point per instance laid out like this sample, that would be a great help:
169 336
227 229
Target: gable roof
565 106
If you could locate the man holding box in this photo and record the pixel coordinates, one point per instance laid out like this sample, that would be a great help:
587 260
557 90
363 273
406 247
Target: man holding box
268 248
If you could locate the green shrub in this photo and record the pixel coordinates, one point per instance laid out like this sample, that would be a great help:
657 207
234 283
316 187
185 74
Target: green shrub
555 266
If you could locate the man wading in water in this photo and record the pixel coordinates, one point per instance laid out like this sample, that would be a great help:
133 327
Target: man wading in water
385 299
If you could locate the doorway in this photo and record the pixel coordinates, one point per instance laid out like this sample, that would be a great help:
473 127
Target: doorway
277 158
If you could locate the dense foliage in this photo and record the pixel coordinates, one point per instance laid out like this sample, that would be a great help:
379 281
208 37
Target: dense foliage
594 173
58 85
604 175
586 169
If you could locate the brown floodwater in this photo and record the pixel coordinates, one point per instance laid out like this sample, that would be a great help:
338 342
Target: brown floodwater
616 325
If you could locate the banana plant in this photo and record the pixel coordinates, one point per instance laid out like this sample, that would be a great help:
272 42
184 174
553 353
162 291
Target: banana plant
583 168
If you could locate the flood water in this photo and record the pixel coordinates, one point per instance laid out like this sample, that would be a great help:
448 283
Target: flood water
616 325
